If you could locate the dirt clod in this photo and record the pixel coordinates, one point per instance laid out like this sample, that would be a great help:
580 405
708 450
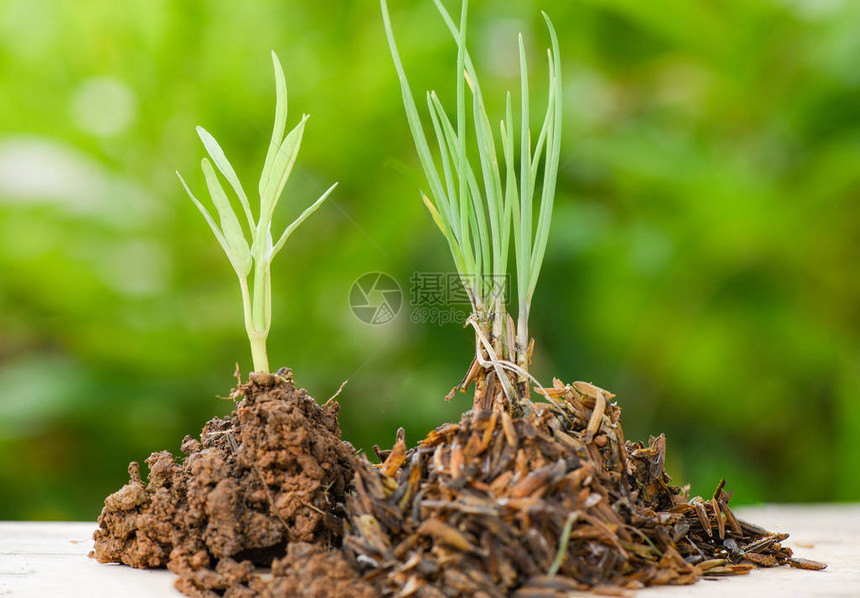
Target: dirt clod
275 472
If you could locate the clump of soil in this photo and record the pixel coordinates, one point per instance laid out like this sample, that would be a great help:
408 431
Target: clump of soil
275 472
538 506
306 571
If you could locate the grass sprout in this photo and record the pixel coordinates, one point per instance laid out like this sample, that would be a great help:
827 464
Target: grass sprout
250 248
478 205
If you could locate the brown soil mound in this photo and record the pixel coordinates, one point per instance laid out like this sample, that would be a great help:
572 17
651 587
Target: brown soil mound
490 507
275 472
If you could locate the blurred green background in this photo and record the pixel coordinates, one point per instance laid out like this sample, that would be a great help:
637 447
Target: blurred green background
703 263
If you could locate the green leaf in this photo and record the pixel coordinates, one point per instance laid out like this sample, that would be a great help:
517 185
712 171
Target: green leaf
302 217
462 203
452 27
280 119
446 202
226 169
551 166
498 236
240 253
280 171
547 121
512 210
412 117
492 181
434 213
461 127
219 236
525 157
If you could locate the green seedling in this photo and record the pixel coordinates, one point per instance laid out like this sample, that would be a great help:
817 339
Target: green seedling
254 260
479 211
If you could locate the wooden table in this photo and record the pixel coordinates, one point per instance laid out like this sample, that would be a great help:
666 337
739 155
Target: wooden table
50 559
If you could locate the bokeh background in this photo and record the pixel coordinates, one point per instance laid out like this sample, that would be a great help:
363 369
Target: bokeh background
703 263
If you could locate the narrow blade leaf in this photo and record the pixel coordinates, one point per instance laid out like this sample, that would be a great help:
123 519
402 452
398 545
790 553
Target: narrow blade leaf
280 118
412 117
206 215
226 169
551 167
240 253
282 166
302 217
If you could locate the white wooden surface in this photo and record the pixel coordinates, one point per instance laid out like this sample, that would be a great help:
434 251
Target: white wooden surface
50 559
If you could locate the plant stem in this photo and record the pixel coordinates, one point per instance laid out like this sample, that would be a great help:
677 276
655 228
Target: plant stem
522 343
261 299
498 326
258 351
256 336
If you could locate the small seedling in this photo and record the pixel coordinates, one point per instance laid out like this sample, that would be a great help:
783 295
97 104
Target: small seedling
254 259
478 215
